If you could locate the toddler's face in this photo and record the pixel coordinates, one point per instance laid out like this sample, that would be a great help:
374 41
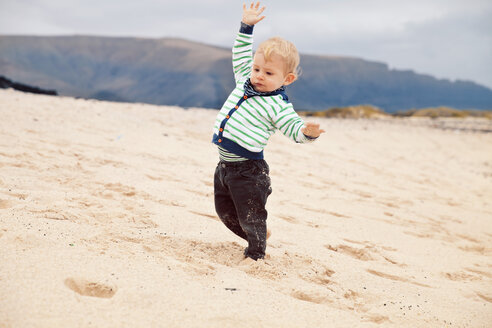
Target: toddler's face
269 75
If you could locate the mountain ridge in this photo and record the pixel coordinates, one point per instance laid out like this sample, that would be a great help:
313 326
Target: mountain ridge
176 71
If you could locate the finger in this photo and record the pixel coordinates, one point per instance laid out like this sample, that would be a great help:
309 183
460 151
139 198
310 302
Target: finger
244 6
261 10
257 5
321 131
252 5
261 18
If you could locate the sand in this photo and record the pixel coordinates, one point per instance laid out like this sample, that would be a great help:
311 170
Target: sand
107 220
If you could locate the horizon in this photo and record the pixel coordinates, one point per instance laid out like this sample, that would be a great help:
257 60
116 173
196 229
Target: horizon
448 39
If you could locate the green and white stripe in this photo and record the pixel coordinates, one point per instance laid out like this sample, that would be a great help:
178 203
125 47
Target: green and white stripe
227 156
257 119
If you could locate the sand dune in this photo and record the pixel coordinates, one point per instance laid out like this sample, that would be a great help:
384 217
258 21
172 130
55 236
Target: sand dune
107 220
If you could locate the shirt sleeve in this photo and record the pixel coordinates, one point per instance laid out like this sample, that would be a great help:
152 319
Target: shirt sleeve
290 124
242 53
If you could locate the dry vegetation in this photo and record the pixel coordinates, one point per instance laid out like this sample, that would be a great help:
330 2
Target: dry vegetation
369 111
359 111
435 112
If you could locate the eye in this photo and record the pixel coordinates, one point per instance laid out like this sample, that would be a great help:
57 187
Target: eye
256 69
269 73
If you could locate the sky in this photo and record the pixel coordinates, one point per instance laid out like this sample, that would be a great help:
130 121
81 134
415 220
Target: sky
449 39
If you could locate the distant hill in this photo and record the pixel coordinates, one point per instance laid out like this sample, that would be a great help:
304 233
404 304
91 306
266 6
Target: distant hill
178 72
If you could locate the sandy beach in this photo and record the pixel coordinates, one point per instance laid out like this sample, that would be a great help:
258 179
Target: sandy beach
107 220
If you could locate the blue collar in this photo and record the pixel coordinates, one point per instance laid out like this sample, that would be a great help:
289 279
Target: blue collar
250 91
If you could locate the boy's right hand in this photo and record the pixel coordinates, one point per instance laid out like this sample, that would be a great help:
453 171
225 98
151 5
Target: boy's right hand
251 14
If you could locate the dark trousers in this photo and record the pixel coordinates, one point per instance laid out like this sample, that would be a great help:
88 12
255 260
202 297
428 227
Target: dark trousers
241 190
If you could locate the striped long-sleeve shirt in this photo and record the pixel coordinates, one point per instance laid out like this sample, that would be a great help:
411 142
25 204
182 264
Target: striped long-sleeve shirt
245 123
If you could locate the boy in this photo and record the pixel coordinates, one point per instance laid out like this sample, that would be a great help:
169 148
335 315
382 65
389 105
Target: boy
253 111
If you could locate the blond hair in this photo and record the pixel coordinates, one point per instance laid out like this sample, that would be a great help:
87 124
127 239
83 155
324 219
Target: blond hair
283 48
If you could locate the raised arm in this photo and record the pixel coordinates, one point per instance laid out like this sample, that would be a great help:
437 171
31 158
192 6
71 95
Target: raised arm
242 52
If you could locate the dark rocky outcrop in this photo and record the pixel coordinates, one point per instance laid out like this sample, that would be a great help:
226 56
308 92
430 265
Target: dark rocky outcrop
6 83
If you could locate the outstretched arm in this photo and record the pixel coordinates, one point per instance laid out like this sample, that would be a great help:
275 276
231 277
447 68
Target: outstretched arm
251 15
287 121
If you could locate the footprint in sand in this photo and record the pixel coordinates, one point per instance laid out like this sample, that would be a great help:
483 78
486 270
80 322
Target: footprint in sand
460 276
358 253
369 252
118 187
155 178
5 204
289 219
395 278
209 216
87 288
316 284
310 297
484 297
376 318
479 249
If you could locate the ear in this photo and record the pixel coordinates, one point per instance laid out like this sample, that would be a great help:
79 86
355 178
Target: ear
291 77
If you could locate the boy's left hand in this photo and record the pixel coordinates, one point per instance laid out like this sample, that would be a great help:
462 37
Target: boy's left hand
312 130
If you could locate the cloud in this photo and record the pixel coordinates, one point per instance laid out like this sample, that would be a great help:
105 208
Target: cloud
447 38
